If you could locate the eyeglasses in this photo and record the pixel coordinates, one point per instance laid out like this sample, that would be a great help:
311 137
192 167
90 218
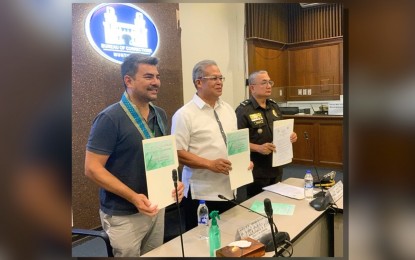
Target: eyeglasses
214 78
264 83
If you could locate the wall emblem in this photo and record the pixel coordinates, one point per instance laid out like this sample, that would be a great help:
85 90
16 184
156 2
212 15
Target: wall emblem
117 30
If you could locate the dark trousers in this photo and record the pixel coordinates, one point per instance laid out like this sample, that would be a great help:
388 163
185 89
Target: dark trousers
190 207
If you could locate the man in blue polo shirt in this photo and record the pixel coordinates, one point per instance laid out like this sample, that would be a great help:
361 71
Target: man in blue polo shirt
114 160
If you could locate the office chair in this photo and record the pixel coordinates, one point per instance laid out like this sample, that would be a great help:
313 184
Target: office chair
95 233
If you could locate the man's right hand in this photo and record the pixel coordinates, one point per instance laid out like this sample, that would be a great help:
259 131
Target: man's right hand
220 166
144 205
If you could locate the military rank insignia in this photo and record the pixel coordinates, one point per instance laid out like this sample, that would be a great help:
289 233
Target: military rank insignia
274 113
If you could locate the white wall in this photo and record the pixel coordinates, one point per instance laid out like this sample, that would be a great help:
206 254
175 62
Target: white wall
214 31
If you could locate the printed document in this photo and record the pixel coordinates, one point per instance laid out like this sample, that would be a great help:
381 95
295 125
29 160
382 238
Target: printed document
286 190
239 155
160 158
281 139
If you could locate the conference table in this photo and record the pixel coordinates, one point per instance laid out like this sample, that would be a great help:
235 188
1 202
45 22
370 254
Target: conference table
313 233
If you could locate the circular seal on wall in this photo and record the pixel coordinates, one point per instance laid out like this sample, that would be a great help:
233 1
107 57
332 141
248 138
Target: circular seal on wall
117 30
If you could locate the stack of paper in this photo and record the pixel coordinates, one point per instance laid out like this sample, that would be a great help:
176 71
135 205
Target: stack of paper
286 190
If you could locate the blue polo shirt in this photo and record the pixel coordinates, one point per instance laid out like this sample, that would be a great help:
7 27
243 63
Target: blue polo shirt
114 134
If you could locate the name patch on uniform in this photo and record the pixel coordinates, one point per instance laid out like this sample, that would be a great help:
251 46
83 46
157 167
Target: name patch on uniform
256 118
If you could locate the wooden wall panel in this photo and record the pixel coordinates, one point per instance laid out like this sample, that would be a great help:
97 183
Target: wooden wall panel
274 60
330 146
267 21
309 24
303 149
314 66
314 46
297 67
316 70
291 23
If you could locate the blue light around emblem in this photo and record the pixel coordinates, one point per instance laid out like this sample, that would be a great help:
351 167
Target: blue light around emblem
117 30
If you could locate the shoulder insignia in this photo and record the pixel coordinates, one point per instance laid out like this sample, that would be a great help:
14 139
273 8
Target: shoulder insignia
273 101
245 102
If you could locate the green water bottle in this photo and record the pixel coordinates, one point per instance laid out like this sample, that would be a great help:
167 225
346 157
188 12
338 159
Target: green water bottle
214 233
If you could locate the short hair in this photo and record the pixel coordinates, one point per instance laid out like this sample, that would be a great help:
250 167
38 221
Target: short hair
199 69
130 64
254 74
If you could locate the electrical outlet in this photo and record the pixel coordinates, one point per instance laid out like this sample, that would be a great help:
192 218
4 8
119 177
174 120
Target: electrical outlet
300 92
309 91
280 92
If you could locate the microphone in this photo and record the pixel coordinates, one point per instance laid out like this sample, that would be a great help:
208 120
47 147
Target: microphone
268 208
321 193
280 237
268 211
174 177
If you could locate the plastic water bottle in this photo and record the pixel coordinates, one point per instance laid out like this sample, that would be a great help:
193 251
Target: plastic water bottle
203 220
308 185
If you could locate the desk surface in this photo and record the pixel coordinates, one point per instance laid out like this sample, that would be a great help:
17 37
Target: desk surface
304 216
